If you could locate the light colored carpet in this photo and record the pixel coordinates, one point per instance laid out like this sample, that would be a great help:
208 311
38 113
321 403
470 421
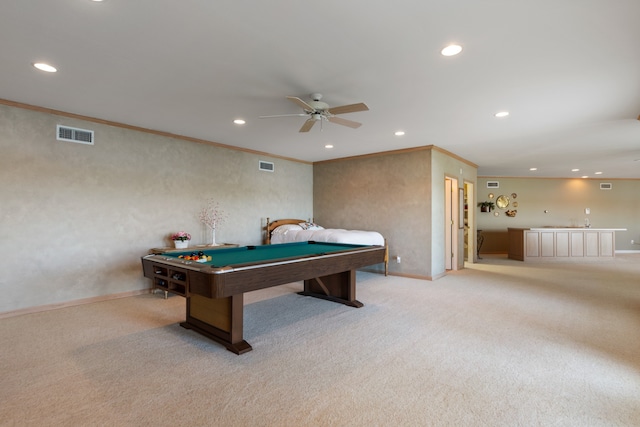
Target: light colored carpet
501 343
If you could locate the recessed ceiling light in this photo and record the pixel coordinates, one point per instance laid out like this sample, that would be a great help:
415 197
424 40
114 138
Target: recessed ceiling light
585 176
451 50
239 121
598 173
45 67
575 170
502 114
399 133
533 169
328 146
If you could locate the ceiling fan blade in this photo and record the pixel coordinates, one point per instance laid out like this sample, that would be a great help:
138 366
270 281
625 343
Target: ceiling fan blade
301 103
344 122
352 108
285 115
306 127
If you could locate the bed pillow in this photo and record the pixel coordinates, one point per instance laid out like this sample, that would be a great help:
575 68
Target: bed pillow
310 226
282 229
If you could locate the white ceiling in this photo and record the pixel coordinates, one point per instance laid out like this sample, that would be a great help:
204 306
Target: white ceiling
568 71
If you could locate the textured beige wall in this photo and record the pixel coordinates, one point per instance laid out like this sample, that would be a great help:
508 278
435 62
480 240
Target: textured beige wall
388 194
392 193
566 199
75 219
446 166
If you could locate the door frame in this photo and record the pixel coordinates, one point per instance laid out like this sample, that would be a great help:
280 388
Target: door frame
451 222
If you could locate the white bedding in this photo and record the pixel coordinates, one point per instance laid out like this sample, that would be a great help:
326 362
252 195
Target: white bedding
293 233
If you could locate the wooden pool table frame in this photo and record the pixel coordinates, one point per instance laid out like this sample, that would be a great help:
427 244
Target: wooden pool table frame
215 296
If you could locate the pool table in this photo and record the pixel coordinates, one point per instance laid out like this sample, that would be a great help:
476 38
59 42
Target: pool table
214 289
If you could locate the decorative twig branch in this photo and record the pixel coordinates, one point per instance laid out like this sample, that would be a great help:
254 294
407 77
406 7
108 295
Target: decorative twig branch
212 216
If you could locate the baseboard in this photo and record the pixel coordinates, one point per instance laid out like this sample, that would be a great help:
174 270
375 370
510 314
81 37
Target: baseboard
48 307
411 276
372 270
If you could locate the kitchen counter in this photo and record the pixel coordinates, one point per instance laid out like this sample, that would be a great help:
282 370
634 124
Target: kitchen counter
561 243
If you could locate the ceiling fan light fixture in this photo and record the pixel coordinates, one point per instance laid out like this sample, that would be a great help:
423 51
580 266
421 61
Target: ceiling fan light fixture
318 111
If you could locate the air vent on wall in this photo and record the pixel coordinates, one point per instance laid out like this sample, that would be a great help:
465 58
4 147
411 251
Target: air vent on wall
81 136
606 186
493 184
266 166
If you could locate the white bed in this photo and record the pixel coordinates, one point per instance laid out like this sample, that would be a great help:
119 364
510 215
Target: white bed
296 230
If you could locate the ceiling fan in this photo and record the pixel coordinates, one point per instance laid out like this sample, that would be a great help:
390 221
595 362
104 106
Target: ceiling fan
317 111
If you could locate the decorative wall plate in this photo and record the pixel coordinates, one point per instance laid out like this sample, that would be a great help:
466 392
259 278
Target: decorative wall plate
496 213
491 195
514 195
514 204
502 202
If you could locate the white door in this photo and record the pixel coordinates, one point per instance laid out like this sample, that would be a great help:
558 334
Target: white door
451 221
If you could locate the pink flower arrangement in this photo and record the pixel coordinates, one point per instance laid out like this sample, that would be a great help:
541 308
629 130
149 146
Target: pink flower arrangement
181 235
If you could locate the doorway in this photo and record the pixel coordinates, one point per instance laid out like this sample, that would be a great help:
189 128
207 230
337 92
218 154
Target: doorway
452 221
469 239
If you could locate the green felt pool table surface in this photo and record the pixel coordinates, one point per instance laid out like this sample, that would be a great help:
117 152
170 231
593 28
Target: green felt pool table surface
265 253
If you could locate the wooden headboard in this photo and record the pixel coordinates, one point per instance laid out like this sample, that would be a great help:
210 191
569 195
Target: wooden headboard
275 224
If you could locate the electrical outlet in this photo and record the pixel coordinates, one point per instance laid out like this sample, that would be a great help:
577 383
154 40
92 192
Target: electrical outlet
398 259
632 242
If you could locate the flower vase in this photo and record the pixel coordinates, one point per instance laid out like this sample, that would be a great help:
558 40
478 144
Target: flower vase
213 237
181 244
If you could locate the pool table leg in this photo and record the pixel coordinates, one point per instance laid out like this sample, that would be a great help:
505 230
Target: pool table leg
339 287
220 319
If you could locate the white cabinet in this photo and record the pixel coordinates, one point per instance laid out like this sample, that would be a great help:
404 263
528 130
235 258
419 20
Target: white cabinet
561 244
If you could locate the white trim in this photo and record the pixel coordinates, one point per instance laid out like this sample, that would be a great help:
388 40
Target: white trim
55 306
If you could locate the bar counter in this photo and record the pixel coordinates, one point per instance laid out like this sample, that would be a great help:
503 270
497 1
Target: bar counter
562 244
